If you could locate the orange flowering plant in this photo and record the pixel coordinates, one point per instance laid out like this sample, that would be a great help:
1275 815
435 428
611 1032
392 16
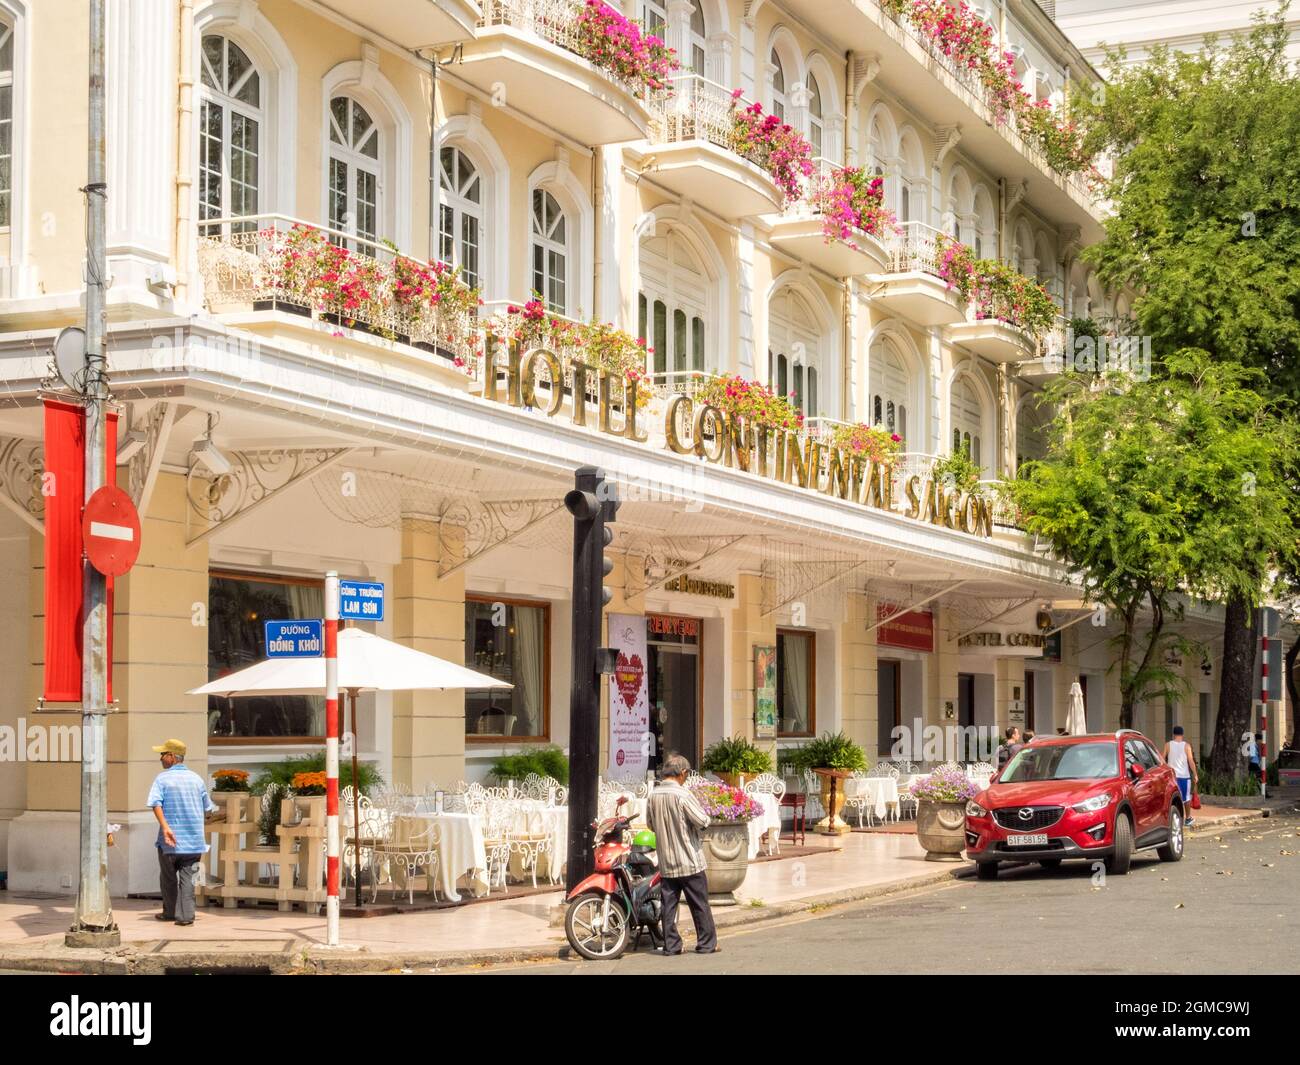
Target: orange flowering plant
308 783
230 780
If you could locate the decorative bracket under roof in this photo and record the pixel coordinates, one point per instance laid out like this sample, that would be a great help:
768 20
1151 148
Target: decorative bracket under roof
255 478
22 466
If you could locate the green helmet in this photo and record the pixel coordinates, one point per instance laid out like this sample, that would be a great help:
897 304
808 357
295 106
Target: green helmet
644 838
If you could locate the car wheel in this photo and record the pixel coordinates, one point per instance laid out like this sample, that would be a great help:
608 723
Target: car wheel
1050 863
1173 850
987 870
1119 860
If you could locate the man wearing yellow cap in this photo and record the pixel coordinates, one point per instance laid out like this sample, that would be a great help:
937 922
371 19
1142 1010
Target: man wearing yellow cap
179 799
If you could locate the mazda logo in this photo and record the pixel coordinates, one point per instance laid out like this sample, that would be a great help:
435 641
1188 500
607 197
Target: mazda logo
1026 813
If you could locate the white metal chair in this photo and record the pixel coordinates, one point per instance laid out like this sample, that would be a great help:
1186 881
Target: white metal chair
496 844
769 784
412 846
860 797
886 770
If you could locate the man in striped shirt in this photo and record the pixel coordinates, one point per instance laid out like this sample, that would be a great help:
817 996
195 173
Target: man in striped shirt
180 800
676 817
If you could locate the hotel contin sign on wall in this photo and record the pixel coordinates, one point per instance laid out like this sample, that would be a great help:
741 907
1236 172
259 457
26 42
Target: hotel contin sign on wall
789 457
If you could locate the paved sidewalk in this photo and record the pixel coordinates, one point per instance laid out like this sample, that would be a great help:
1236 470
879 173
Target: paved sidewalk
868 864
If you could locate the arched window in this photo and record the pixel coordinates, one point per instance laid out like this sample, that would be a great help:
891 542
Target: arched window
353 169
550 252
460 209
673 305
816 121
794 351
697 40
6 124
778 86
230 133
891 389
1031 433
967 420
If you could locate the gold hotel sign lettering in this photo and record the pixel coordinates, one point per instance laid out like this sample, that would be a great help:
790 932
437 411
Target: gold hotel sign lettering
779 454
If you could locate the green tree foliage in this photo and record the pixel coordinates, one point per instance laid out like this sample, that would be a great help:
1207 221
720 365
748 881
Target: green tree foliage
1206 197
1159 489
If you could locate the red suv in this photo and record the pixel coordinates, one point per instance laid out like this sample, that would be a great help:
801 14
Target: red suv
1091 797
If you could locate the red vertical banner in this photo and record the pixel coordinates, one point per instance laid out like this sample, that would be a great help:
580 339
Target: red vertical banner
64 487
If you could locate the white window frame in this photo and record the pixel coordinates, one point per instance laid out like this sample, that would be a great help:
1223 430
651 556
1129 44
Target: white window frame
891 404
350 155
549 245
961 425
9 34
662 280
800 346
779 102
816 122
461 207
223 99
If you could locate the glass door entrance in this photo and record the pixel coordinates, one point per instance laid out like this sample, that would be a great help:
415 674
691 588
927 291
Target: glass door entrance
673 646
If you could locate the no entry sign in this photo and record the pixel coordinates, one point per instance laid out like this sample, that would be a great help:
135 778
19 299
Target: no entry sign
110 531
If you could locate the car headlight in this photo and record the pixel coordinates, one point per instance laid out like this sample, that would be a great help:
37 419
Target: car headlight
1097 802
974 809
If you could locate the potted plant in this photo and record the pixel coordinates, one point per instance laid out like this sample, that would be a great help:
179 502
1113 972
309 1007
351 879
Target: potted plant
230 780
725 838
833 758
735 760
941 812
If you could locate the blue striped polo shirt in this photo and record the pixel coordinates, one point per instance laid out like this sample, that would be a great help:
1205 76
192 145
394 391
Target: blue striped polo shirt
183 797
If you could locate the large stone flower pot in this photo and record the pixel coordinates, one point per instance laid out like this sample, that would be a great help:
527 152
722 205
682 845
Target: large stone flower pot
832 781
726 859
941 828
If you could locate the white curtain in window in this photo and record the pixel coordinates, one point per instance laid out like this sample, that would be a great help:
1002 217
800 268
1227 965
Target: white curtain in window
529 648
308 601
794 681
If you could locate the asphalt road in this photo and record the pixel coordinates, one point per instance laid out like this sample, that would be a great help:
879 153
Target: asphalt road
1232 905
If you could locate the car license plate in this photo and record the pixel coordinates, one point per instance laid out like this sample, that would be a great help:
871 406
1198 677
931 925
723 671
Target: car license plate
1036 840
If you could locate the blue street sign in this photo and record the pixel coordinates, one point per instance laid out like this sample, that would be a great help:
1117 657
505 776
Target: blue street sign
295 639
361 600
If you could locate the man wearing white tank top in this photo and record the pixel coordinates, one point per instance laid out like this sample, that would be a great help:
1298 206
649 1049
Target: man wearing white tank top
1178 755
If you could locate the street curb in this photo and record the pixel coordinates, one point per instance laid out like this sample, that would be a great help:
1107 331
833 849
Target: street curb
143 959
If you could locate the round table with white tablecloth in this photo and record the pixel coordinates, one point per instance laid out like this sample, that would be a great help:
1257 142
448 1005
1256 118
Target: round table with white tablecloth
768 821
876 794
461 852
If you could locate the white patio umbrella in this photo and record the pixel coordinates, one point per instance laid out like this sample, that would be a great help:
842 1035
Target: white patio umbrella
1076 717
366 662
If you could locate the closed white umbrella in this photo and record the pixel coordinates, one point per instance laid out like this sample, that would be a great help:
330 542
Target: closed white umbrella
366 662
1076 716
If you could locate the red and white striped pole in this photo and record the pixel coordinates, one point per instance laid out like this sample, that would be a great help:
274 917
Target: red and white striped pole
332 758
1263 703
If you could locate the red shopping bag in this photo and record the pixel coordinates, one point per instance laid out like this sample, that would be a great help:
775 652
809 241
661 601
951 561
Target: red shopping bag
1196 800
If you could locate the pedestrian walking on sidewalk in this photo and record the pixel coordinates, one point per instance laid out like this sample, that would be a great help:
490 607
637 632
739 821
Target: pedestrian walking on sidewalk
676 817
180 800
1178 756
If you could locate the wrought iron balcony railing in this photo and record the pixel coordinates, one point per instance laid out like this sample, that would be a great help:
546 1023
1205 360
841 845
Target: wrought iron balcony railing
264 262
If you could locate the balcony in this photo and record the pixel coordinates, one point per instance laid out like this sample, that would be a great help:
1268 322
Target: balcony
910 285
530 52
801 233
995 338
414 24
258 266
690 151
913 69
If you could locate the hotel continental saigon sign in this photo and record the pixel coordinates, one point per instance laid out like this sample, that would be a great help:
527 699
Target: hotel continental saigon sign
538 380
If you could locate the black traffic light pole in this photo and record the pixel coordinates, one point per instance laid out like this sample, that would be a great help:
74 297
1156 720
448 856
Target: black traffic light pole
592 504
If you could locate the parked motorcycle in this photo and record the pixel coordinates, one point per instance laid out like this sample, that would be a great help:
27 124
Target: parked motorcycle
620 901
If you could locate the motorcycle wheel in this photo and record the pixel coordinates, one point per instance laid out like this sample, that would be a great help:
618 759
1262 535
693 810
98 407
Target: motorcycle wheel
588 934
